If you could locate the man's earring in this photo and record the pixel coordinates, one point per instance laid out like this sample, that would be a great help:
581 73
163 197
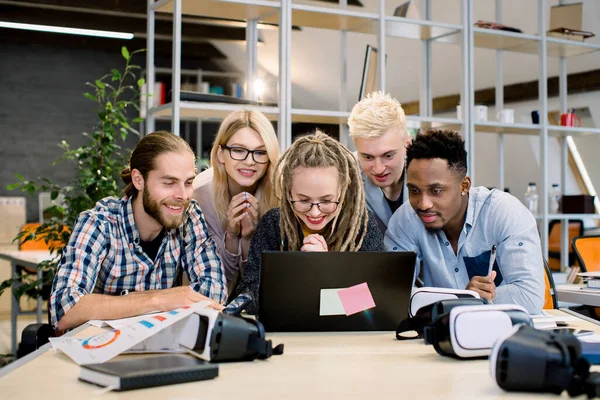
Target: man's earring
462 193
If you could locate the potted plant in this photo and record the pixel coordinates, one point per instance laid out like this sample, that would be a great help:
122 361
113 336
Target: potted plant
98 164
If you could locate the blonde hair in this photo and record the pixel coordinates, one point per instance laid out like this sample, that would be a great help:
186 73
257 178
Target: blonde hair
264 191
374 115
318 150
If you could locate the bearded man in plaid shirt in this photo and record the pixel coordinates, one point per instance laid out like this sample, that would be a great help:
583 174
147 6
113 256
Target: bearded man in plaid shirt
138 245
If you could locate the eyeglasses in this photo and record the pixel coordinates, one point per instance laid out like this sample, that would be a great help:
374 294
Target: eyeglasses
240 154
323 206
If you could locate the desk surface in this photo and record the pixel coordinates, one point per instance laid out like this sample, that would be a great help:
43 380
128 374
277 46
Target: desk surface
578 294
28 258
314 365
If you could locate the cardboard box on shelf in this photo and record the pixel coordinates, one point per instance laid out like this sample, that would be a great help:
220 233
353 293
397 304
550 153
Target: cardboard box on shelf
568 16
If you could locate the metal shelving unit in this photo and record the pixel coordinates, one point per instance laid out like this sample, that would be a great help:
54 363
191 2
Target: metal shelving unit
545 47
343 18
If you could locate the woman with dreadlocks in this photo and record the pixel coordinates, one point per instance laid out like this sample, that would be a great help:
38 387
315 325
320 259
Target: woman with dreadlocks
321 207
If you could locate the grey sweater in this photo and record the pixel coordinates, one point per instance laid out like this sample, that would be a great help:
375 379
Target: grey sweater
267 237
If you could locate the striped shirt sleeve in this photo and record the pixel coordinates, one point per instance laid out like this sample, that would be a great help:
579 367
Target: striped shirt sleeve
200 259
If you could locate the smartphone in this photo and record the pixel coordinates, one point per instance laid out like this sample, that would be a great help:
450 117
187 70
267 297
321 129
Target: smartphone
574 331
238 305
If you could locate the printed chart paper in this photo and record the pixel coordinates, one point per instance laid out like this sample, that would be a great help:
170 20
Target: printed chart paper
102 347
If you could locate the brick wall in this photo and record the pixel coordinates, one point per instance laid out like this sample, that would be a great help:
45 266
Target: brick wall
42 103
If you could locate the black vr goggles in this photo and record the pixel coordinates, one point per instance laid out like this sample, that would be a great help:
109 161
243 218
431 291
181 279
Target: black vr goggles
214 336
533 360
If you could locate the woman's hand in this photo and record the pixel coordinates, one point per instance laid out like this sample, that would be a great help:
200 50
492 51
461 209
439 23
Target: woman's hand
314 242
250 221
236 211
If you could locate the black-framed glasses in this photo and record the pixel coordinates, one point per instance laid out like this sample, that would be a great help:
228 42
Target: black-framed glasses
240 154
323 206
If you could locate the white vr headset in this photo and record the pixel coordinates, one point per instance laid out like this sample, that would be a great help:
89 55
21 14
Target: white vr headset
425 296
471 331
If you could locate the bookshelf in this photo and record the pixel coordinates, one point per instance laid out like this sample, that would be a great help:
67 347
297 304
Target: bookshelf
343 18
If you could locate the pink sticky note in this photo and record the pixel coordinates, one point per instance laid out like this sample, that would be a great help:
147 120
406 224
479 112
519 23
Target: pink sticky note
356 298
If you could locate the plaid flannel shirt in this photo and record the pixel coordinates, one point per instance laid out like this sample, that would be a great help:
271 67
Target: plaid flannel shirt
104 256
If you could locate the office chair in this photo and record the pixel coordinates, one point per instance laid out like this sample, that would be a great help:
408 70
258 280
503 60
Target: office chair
575 229
550 300
33 245
35 336
38 334
587 251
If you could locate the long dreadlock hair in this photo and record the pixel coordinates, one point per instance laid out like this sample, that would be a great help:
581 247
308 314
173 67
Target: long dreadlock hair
347 230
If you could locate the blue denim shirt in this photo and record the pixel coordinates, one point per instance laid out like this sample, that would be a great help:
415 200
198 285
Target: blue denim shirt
493 218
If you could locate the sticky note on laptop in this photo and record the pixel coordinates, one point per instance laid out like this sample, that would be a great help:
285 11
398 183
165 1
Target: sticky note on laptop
356 298
331 304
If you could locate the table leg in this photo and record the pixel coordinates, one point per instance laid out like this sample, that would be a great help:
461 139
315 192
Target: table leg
40 301
14 309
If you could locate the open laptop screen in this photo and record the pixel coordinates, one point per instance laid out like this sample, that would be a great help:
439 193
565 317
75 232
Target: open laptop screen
313 291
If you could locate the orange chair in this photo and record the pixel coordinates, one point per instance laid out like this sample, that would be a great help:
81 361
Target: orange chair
575 229
550 301
587 250
39 244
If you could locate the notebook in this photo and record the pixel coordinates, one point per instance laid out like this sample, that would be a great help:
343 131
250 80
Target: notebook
145 372
335 291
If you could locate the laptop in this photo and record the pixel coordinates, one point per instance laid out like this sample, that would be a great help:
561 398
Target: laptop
299 290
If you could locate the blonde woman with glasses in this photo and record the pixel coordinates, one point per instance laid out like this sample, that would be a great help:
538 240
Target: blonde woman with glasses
237 191
321 208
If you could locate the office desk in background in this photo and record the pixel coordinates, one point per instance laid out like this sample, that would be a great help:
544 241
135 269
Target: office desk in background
578 294
28 259
348 365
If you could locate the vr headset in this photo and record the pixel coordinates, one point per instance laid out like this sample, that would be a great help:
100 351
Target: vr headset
427 303
215 336
470 331
428 295
530 360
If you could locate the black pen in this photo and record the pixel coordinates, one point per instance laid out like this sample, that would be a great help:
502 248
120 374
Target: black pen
492 260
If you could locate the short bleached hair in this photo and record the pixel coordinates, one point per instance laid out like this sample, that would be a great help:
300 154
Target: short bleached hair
374 115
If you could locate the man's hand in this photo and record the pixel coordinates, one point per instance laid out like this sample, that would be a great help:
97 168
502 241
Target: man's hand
484 285
169 299
314 242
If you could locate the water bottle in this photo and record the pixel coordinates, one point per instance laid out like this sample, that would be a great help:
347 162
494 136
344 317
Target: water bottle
554 198
531 198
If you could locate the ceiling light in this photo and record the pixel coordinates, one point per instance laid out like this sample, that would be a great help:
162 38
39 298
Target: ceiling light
62 29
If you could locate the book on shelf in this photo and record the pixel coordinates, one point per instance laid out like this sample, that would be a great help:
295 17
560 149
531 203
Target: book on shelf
593 283
148 372
570 34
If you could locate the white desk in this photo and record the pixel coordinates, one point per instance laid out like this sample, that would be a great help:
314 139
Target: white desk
29 259
313 366
578 294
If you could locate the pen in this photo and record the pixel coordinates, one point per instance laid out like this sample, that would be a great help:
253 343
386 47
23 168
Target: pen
492 260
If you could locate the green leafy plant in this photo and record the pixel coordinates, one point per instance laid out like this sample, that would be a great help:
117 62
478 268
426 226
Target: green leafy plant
98 164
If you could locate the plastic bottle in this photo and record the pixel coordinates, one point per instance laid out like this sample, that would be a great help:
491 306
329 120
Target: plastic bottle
531 198
554 198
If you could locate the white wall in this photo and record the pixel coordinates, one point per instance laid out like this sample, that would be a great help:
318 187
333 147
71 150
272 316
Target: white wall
521 152
315 55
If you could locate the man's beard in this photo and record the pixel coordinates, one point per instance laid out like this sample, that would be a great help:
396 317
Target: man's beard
152 208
